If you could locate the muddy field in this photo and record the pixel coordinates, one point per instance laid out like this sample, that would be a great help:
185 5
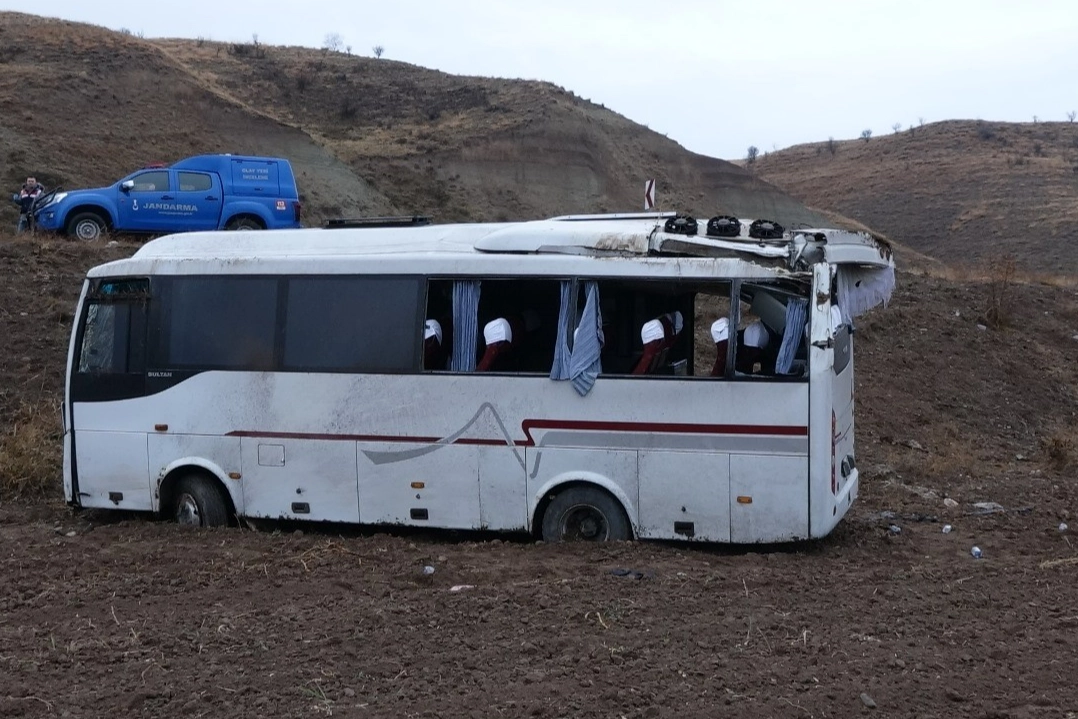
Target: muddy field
120 616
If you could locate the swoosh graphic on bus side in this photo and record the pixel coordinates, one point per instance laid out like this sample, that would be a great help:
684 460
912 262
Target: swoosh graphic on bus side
383 457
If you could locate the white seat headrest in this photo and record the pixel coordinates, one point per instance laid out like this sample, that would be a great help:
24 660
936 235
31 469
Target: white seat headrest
720 330
756 335
652 331
498 331
432 328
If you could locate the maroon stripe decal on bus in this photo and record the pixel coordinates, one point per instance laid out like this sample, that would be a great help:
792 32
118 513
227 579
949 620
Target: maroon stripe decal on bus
532 424
663 427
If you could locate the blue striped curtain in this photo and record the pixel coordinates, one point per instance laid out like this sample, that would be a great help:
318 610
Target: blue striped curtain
465 325
562 353
585 365
796 314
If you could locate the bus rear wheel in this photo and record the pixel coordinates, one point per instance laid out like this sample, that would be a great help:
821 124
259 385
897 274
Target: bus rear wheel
585 514
199 503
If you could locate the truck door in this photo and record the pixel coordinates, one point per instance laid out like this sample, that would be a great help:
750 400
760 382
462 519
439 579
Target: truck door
198 200
142 207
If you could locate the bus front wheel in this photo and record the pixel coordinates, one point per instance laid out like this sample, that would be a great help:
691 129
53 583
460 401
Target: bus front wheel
199 503
585 514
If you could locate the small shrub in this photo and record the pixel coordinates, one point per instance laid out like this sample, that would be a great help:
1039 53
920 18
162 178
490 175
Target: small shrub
1001 281
984 130
303 81
31 452
866 134
1060 450
347 110
831 146
1038 149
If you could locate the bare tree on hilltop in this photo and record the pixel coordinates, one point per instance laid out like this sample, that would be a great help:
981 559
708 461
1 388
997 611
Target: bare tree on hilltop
333 42
378 50
1071 115
754 152
866 134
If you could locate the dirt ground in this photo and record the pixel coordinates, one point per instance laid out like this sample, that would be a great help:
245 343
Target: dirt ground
104 615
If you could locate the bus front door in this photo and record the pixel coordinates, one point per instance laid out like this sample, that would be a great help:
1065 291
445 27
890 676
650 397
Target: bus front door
110 467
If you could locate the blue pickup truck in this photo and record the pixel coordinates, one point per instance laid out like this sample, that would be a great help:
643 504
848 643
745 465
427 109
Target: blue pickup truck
207 192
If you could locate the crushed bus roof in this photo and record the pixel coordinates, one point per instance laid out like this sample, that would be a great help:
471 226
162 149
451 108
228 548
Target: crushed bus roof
625 234
581 236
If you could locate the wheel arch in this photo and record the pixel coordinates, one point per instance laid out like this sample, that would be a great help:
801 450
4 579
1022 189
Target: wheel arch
100 210
246 214
562 482
170 475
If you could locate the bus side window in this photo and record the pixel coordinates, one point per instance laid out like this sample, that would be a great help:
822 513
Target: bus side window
771 337
661 328
515 323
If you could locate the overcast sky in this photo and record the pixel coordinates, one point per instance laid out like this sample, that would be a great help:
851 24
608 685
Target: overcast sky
715 75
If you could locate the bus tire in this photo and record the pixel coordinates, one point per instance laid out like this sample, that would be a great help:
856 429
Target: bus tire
199 503
244 222
585 514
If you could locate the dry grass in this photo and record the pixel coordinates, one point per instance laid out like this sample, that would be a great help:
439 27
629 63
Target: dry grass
31 452
1061 448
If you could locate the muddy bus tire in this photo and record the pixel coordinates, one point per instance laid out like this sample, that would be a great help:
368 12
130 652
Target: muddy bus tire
199 503
585 514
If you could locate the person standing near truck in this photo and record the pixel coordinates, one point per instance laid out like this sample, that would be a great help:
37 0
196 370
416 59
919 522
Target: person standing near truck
31 190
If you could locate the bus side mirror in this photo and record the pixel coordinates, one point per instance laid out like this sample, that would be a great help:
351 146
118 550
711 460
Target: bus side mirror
127 185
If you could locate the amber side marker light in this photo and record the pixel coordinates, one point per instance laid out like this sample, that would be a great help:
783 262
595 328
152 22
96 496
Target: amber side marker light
418 485
744 500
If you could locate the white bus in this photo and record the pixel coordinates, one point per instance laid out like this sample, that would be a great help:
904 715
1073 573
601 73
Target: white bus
598 378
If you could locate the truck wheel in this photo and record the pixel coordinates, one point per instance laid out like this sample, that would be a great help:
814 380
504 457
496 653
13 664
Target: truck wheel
86 226
587 514
199 503
244 223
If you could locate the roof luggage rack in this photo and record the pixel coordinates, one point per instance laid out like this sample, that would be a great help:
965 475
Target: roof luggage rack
371 222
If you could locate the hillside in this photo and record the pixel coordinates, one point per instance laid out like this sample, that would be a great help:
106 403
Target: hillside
367 136
966 192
